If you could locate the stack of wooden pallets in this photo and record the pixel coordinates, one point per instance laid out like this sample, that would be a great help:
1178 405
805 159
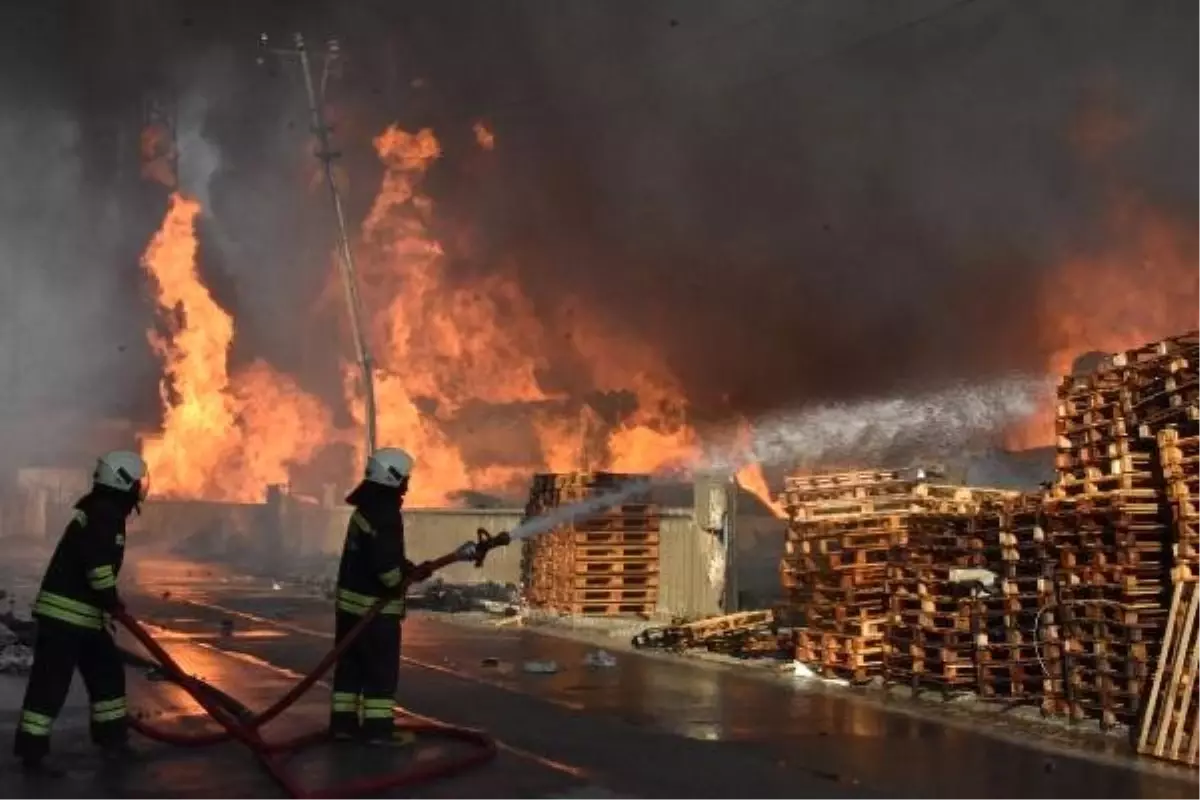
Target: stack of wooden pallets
602 565
934 618
1110 518
1019 645
844 531
1178 456
834 570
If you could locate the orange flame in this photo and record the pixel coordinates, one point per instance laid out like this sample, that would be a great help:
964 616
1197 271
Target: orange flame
445 349
1143 291
221 439
158 154
484 137
751 478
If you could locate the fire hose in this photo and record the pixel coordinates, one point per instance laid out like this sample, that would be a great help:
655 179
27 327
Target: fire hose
240 724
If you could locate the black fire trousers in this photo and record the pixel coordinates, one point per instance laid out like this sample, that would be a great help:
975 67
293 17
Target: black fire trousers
59 649
364 681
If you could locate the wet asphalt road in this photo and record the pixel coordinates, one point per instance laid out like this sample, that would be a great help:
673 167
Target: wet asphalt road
649 727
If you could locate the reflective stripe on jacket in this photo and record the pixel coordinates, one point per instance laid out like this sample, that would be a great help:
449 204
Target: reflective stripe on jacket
359 604
372 564
64 609
81 579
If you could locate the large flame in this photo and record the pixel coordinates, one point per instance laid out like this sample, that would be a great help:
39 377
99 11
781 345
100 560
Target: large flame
445 350
1142 291
221 439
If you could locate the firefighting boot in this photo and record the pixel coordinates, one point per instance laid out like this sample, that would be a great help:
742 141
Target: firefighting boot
41 767
118 751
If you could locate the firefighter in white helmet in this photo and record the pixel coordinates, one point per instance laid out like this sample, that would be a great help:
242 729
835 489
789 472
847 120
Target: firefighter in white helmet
373 566
78 590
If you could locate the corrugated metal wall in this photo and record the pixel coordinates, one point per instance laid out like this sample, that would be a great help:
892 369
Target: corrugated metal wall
689 585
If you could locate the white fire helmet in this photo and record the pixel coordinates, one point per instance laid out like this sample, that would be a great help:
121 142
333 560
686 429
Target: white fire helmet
124 471
389 466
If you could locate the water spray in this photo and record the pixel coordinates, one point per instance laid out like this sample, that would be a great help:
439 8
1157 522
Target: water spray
562 515
535 526
934 425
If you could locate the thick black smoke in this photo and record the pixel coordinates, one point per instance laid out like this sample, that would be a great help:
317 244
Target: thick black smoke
791 201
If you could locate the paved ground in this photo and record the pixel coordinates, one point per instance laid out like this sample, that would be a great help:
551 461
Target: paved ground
648 727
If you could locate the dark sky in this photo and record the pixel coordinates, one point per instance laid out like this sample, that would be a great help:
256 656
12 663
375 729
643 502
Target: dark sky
790 200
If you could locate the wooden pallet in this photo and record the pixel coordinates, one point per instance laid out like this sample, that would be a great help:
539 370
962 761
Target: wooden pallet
643 566
622 595
642 609
1168 725
621 537
619 581
622 522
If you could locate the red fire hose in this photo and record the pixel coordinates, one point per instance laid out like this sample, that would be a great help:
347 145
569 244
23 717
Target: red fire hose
240 724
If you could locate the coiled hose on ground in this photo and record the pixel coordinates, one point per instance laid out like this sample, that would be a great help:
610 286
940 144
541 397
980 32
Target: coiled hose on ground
241 724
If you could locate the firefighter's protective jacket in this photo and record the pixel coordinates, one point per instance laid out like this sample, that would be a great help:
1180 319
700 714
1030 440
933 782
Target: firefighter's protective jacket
373 564
80 583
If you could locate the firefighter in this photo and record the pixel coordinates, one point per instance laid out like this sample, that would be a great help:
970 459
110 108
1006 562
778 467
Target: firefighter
78 592
373 566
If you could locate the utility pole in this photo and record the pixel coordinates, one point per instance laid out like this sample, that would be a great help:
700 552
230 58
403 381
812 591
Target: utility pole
326 155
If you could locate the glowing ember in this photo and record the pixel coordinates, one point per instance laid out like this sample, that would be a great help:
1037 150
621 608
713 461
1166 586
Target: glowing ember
483 137
158 155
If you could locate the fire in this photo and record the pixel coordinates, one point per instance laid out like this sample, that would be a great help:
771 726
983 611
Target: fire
446 350
158 154
1143 291
460 367
751 478
484 137
221 439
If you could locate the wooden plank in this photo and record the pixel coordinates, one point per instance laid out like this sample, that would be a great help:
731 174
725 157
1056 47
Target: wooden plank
1176 665
1185 705
1184 649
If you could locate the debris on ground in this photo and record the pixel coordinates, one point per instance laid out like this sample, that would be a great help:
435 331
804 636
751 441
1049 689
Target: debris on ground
601 659
540 667
802 670
490 662
15 658
494 598
746 634
24 629
227 627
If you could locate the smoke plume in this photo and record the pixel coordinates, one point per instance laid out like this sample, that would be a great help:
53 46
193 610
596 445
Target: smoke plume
843 217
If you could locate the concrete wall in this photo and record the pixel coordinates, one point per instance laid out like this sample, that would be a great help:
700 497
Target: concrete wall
222 526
